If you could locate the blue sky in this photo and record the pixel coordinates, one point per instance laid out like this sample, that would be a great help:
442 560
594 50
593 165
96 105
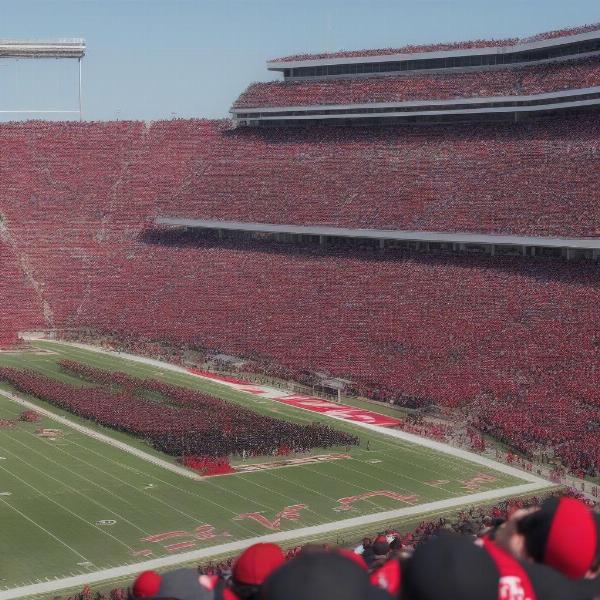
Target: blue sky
153 59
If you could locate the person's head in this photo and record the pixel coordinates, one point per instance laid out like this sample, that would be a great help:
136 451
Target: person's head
320 576
181 584
452 566
252 567
507 536
562 533
380 547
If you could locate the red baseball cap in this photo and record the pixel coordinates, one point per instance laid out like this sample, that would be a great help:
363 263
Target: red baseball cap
146 584
563 534
256 563
181 584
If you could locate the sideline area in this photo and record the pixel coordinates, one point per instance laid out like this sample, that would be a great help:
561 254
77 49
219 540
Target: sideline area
275 394
531 483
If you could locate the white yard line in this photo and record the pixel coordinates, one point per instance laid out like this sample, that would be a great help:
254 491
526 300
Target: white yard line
102 438
36 524
89 482
63 507
282 536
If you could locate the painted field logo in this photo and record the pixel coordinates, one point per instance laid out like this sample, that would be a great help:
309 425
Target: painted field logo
200 534
289 462
44 432
106 522
291 513
161 537
332 409
208 532
476 482
348 502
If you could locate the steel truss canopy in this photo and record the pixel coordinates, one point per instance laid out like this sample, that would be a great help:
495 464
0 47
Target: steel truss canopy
383 234
58 48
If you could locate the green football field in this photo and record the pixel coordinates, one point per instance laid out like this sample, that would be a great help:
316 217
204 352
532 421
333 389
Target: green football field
73 505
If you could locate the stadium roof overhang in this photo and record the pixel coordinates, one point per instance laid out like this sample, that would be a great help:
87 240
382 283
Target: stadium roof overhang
283 64
60 48
384 234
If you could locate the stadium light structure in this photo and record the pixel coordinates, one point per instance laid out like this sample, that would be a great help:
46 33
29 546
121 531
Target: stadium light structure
63 48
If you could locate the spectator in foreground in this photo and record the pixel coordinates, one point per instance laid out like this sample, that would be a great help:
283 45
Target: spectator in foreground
252 567
452 567
321 576
562 533
181 584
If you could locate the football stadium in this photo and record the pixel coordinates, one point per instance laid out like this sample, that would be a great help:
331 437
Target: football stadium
358 317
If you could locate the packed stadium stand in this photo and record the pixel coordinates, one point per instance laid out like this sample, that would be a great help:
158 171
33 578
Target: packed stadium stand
497 81
530 179
499 336
517 81
20 308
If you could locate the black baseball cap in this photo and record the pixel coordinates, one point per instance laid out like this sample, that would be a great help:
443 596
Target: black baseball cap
321 576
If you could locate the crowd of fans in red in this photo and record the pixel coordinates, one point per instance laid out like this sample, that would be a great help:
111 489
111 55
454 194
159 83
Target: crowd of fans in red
206 465
460 332
17 293
546 424
413 49
509 334
480 178
191 424
510 81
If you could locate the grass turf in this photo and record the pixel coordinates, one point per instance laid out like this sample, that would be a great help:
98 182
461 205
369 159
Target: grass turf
61 490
